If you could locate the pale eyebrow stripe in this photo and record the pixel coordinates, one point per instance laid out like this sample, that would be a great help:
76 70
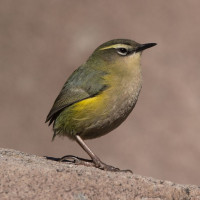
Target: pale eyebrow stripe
116 46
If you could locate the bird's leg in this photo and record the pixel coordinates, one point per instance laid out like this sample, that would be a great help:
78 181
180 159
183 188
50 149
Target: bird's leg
96 161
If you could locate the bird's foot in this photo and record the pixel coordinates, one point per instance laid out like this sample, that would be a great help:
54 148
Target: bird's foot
76 160
91 163
99 164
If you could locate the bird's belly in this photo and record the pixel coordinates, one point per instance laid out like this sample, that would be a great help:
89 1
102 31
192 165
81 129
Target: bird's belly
96 116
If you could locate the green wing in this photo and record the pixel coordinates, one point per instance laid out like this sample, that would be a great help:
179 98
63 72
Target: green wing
82 84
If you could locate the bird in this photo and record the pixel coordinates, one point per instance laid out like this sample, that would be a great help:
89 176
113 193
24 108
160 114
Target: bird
99 96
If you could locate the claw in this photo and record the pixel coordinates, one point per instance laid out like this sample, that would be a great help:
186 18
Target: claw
76 160
99 164
91 163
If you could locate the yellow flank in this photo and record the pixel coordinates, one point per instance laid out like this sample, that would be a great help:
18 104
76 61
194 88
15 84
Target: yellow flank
84 103
88 108
116 46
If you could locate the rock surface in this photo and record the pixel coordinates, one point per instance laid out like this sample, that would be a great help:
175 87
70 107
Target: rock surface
24 176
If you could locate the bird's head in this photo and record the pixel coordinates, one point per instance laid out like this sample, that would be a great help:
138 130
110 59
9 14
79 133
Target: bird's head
120 49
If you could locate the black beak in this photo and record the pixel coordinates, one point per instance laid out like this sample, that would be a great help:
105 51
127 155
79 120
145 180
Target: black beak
145 46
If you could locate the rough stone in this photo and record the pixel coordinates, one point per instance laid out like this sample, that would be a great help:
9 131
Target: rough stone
24 176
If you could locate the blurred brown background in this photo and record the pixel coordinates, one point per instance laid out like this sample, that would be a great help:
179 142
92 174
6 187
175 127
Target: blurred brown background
43 42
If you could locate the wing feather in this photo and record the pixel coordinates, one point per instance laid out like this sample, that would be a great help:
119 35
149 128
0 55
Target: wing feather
83 83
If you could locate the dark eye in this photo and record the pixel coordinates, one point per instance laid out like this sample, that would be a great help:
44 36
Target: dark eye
122 51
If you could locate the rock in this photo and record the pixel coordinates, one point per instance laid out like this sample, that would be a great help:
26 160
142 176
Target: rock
24 176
